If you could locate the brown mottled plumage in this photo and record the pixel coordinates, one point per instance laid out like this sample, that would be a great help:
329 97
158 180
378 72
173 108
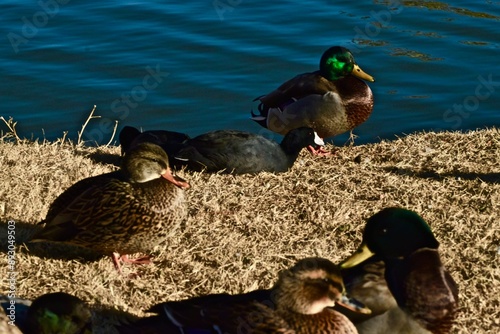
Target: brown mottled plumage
299 303
123 212
426 295
331 100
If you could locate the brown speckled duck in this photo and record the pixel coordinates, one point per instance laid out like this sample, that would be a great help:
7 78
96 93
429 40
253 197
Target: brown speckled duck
128 211
425 295
331 100
299 303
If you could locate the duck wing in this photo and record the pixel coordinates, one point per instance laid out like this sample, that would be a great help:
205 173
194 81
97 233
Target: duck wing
233 152
94 208
295 89
75 190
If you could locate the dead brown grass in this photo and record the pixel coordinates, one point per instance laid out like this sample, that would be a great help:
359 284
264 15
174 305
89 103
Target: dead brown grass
241 230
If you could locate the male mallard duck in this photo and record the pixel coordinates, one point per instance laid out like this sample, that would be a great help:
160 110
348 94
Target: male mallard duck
298 303
230 151
51 313
426 295
331 101
130 136
123 212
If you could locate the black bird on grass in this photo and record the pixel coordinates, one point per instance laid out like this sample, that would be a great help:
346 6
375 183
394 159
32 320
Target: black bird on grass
232 151
168 140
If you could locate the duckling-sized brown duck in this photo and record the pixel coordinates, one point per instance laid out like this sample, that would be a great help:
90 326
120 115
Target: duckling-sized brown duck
299 303
51 313
332 100
128 211
425 293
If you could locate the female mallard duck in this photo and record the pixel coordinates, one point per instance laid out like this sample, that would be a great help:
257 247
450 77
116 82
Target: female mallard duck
123 212
51 313
298 303
331 101
425 293
231 151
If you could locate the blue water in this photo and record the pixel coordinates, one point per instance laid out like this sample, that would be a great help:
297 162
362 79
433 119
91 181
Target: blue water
197 66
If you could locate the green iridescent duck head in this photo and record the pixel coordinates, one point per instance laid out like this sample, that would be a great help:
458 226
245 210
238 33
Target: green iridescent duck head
58 313
338 62
393 233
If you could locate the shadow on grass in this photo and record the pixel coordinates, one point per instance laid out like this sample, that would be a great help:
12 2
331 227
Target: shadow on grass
429 174
103 158
110 320
23 232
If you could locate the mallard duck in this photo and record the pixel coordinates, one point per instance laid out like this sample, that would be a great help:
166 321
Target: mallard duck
331 100
123 212
298 303
426 296
130 136
231 151
51 313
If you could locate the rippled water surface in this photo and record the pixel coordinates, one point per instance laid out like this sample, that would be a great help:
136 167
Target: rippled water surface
197 66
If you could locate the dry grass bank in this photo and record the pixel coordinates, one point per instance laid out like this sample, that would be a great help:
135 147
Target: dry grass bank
242 230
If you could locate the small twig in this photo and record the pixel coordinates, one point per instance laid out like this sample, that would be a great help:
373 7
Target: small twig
65 133
12 127
91 116
113 135
352 136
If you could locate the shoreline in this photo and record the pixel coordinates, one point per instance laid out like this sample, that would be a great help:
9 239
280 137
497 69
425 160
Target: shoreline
241 230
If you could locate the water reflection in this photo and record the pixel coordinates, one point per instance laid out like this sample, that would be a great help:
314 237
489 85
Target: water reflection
396 52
